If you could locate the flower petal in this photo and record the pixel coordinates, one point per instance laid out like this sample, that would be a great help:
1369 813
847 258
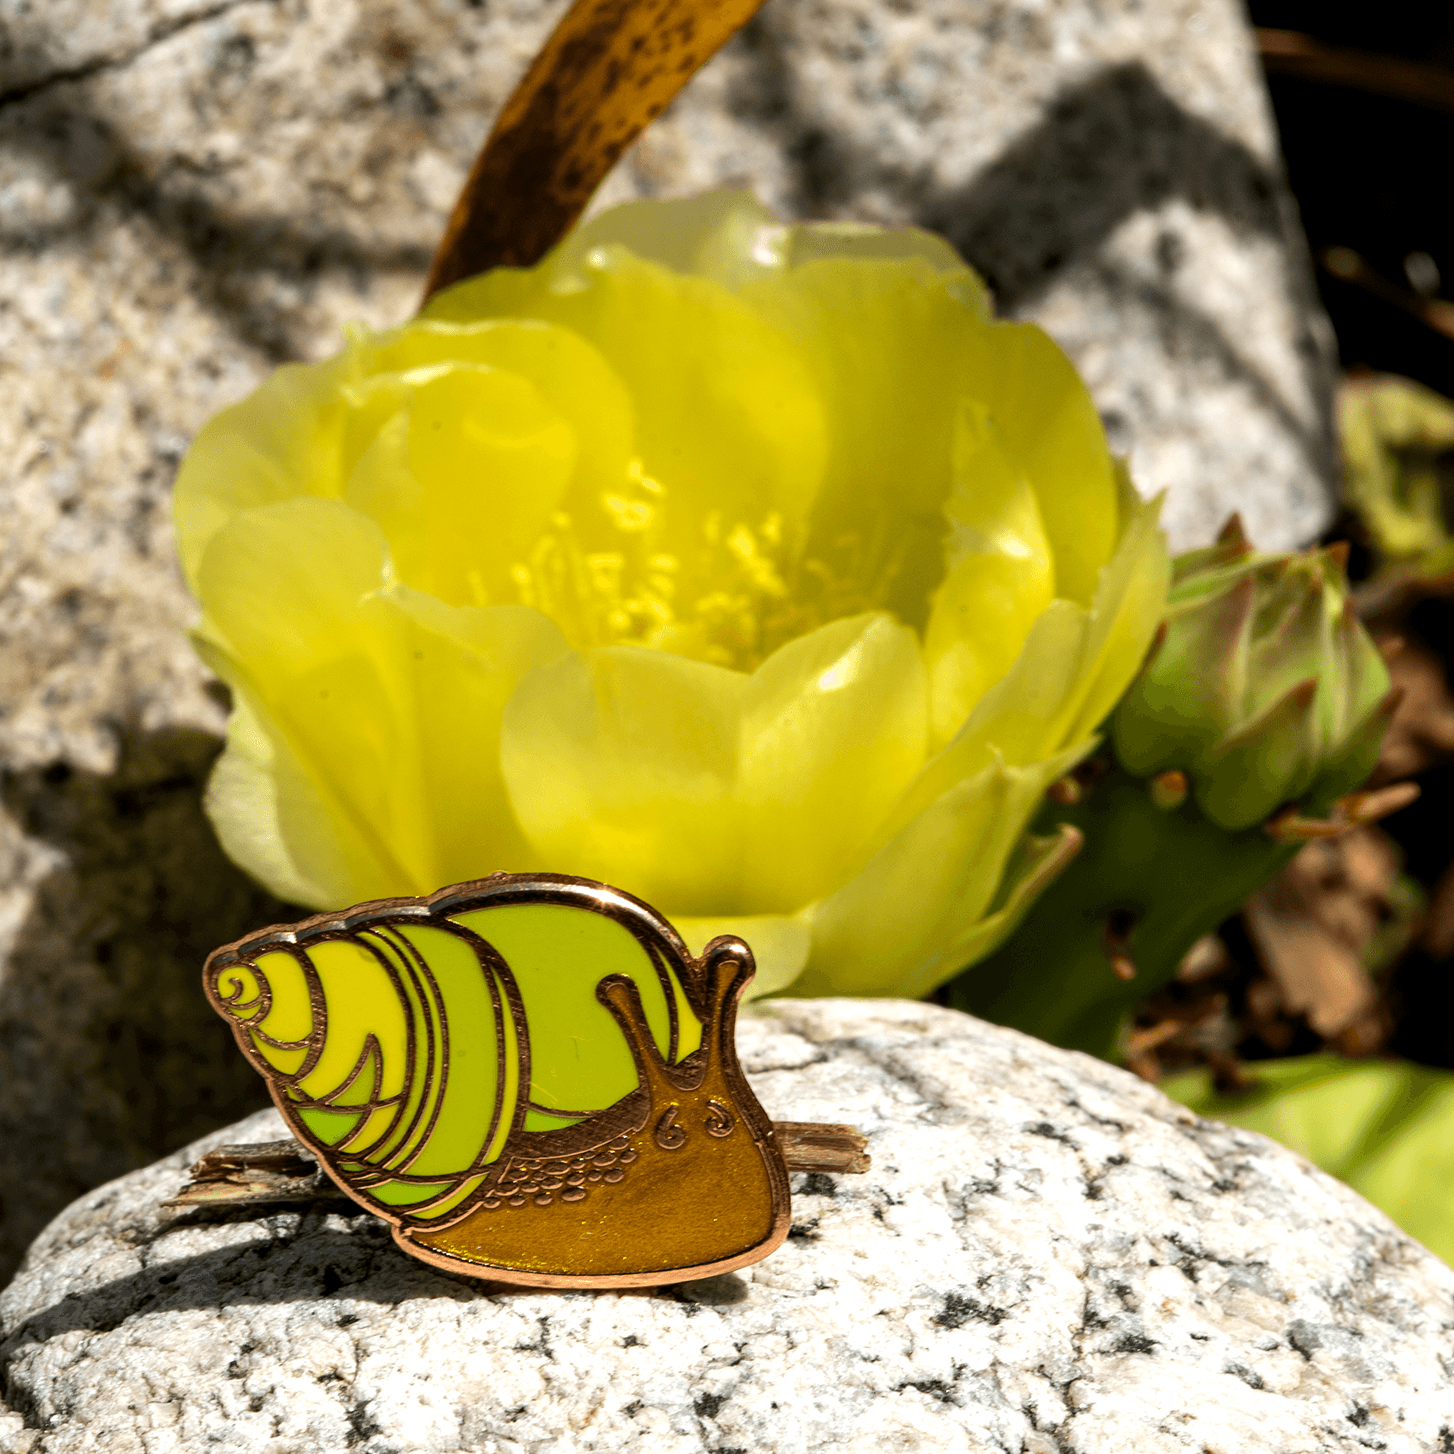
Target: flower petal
1075 663
834 727
731 425
463 666
281 441
1034 865
807 242
884 339
268 815
386 704
621 764
1124 615
729 236
895 340
564 369
719 235
1000 573
1025 716
779 944
463 479
900 926
1052 432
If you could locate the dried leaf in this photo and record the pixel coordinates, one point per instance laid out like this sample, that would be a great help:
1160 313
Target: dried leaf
1438 933
1421 733
606 71
1207 957
1187 1021
1313 925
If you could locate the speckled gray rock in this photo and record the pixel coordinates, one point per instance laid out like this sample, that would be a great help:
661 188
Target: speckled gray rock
194 190
1047 1255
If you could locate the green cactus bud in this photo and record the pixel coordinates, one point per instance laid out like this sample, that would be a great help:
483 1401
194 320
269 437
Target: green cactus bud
1263 696
1265 689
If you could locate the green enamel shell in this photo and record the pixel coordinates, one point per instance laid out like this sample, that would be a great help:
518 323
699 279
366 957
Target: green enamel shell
409 1044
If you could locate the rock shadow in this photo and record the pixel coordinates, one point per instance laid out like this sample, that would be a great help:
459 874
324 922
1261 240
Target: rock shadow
109 1054
1107 147
306 1260
1113 145
251 265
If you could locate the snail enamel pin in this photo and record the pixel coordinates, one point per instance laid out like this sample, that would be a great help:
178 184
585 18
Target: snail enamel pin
529 1076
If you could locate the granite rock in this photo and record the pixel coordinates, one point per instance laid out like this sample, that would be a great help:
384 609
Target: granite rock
109 1055
1047 1255
192 191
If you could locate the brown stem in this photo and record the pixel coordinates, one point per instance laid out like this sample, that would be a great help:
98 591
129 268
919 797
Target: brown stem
1348 266
1288 53
609 67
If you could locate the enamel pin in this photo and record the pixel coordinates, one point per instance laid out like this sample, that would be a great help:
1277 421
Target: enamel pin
529 1076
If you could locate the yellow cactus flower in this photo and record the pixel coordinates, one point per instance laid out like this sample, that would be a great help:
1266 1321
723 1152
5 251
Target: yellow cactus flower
751 568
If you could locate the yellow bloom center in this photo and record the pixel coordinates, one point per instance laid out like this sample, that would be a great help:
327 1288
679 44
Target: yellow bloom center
743 591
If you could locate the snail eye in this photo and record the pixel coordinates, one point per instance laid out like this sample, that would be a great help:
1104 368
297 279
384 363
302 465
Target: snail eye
669 1135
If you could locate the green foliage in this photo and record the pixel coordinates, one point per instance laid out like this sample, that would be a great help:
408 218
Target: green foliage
1167 875
1396 438
1264 696
1384 1127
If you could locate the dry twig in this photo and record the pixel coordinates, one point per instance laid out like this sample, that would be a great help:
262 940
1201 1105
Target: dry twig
1290 53
279 1173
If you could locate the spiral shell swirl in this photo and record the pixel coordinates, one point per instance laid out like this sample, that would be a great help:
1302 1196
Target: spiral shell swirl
410 1041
